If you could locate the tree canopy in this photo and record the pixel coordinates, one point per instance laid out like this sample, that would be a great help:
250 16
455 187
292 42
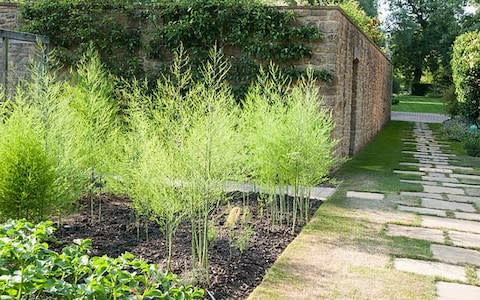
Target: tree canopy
422 33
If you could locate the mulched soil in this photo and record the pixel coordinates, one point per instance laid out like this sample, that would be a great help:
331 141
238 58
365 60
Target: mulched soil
233 275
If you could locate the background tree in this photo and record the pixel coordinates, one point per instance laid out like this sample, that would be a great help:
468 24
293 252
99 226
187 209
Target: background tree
422 33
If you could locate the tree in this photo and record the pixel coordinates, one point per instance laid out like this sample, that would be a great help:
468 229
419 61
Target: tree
422 33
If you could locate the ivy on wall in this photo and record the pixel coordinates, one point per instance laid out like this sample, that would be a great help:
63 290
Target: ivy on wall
251 34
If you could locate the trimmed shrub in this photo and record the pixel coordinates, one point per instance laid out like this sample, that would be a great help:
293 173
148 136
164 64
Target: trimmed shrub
455 129
466 73
395 100
421 89
450 100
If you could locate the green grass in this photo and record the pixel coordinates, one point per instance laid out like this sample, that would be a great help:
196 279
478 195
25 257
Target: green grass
419 104
372 168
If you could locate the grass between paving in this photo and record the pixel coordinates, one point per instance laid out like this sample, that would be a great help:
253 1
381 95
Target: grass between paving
344 252
419 104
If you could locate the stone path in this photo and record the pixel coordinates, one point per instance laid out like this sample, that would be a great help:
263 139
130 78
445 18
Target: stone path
418 117
449 216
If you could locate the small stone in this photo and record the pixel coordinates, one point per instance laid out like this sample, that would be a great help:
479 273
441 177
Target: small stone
456 291
430 268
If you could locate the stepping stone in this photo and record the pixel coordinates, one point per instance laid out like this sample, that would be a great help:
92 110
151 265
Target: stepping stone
461 198
422 195
422 210
409 172
457 168
434 183
464 239
452 291
447 205
467 216
439 179
415 164
437 175
436 170
430 268
466 176
365 195
441 189
461 185
322 193
449 223
455 255
419 233
473 192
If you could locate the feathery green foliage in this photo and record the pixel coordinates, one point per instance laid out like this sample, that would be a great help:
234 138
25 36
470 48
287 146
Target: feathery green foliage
289 143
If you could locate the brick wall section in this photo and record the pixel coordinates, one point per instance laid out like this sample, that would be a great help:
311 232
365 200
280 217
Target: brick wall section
360 95
360 100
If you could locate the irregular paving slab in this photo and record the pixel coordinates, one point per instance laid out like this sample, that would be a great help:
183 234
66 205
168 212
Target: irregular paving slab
365 195
449 223
464 239
421 182
467 216
421 195
456 291
455 255
409 172
448 205
473 192
461 198
415 164
420 233
430 268
452 167
466 176
422 210
436 170
441 189
439 178
322 193
461 185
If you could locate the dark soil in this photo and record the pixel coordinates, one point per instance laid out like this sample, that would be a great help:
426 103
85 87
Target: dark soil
233 274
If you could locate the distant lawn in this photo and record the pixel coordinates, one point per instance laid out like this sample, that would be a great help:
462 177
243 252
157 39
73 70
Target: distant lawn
419 104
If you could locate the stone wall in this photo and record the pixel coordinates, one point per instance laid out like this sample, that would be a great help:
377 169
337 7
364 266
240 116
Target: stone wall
360 95
20 53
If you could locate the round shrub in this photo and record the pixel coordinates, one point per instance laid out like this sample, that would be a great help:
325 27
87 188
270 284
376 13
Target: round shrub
466 73
455 129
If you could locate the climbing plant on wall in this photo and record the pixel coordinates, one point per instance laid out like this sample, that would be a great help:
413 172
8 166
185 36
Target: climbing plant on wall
250 33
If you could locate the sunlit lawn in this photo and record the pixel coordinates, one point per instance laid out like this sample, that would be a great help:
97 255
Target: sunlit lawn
419 104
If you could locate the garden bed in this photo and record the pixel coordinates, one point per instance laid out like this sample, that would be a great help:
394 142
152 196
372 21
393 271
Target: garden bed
233 275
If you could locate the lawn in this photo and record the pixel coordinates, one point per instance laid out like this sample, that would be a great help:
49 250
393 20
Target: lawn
419 104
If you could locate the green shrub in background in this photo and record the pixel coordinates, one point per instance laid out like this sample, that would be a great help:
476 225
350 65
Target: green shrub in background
450 99
455 129
30 270
26 170
472 145
466 73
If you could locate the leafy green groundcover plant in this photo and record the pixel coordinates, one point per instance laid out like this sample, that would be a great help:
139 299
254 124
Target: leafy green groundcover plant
472 145
30 270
